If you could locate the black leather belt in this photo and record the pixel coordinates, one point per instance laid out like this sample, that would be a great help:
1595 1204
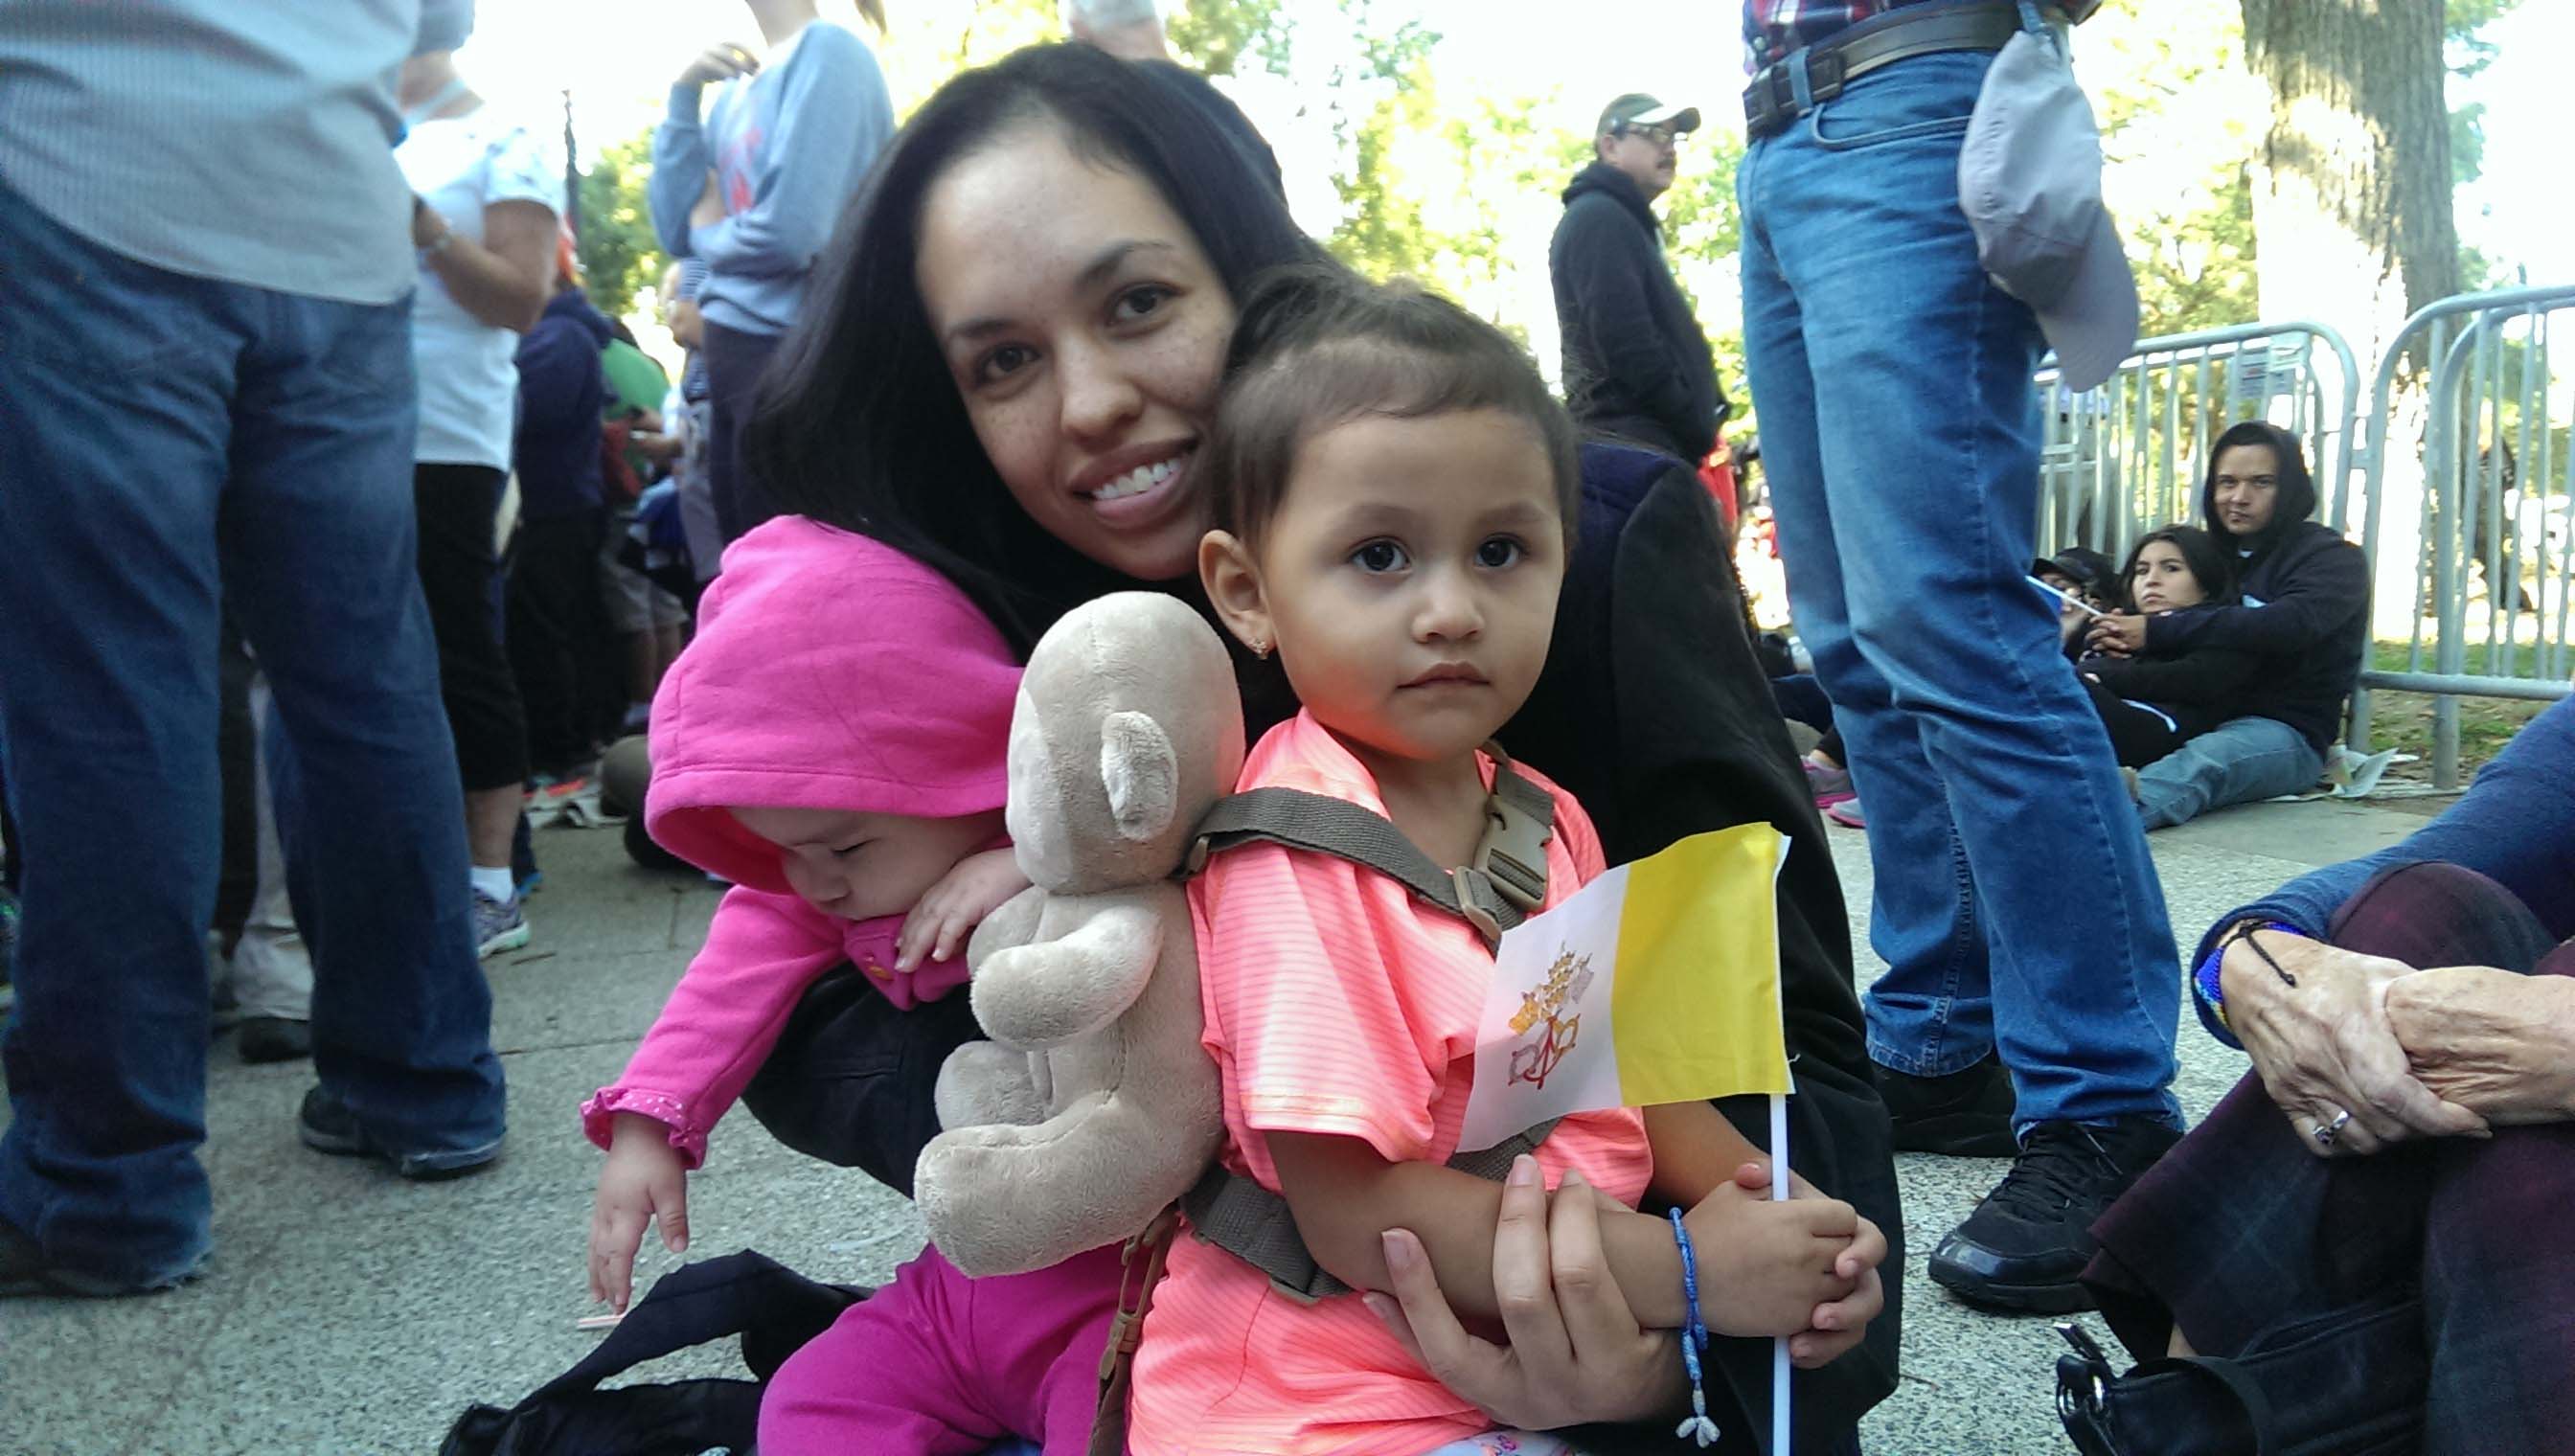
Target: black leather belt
1770 102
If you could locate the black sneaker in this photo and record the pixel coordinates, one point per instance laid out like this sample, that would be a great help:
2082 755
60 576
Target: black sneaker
273 1038
1965 1113
2022 1248
327 1125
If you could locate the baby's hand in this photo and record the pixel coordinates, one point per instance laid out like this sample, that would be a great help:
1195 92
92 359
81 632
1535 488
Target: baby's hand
644 1183
1765 1267
951 909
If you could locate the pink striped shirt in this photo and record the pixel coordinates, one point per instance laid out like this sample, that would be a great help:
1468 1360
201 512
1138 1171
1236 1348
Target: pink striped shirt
1338 1004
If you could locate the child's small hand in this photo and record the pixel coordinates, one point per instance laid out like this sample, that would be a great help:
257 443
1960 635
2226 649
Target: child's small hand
949 910
1765 1267
1836 1326
643 1183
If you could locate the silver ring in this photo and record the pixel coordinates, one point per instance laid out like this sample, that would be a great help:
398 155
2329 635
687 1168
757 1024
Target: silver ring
2325 1132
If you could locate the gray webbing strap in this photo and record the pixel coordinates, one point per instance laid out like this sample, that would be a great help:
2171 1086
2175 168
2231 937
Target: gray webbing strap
1506 882
1255 1225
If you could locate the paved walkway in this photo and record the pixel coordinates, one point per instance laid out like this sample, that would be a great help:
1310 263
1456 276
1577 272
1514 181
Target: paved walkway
346 1311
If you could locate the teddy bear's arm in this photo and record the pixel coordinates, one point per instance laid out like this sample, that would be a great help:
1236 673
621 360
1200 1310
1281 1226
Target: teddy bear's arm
1038 996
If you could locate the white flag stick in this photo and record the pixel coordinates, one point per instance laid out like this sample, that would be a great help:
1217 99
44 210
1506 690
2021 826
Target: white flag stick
1779 1441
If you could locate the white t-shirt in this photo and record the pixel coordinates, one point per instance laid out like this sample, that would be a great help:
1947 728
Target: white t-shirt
468 380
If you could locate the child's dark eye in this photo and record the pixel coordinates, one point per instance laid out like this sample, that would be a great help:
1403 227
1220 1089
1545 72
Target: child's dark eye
1378 557
1499 551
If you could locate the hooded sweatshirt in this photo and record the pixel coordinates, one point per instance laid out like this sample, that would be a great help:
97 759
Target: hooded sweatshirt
2305 610
829 672
1637 366
562 388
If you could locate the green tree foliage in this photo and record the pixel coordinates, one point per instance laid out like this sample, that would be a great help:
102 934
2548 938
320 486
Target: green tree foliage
620 256
1218 37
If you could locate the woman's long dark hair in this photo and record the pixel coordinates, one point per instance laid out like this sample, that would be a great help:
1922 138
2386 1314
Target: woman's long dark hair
859 424
2210 561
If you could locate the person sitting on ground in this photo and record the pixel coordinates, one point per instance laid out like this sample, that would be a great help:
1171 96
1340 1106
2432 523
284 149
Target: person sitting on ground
1411 621
2086 579
988 454
2155 704
2305 613
2409 1121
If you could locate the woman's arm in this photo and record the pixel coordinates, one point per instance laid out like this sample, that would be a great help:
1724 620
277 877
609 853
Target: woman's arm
501 281
2213 676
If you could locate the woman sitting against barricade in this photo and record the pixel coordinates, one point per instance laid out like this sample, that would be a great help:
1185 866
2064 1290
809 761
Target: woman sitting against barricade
2152 703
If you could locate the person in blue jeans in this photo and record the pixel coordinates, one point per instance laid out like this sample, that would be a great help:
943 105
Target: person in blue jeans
206 394
2015 907
2304 612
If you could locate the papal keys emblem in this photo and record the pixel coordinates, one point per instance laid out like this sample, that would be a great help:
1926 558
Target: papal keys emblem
1552 1034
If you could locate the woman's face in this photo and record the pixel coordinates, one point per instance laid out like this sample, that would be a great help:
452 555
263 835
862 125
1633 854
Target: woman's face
2161 581
1085 330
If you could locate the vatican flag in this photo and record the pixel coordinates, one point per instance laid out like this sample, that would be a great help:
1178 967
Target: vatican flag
1656 982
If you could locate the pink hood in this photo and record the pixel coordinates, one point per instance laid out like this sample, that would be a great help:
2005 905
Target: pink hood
830 672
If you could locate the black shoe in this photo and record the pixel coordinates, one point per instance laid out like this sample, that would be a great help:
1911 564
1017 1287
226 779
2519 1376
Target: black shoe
1965 1114
24 1271
273 1038
2022 1248
327 1125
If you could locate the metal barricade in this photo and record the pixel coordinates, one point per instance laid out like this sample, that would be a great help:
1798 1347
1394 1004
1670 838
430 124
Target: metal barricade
2493 518
2119 461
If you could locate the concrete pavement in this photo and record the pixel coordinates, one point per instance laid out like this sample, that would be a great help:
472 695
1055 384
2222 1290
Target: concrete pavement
346 1311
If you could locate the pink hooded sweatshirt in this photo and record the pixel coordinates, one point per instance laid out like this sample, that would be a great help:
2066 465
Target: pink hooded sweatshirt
830 672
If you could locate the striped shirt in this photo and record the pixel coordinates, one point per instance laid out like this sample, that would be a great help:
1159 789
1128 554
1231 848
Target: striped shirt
250 143
1337 1005
1773 28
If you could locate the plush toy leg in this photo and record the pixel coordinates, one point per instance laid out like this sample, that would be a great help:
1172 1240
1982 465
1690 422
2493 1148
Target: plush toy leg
983 1082
1004 1200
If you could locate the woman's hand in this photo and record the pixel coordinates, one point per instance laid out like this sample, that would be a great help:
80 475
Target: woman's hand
1575 1352
719 63
2324 1046
428 224
2500 1044
949 911
644 1183
2119 634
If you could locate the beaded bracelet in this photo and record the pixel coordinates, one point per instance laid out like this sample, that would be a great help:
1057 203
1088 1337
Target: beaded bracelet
1693 1340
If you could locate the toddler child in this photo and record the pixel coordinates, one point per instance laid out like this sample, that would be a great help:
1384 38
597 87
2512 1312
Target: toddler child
1394 493
833 743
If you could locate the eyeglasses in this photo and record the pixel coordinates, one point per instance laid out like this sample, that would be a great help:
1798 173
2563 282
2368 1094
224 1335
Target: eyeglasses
1659 135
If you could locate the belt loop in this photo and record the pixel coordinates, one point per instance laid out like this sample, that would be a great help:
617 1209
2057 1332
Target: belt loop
1801 85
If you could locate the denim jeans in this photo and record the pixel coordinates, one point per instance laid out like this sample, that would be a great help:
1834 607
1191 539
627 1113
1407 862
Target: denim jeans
164 441
2016 906
2241 761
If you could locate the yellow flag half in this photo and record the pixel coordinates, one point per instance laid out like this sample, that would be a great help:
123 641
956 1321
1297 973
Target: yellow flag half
1656 982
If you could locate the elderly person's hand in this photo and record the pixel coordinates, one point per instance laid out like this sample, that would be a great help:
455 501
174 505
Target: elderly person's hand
2498 1044
2324 1046
1575 1352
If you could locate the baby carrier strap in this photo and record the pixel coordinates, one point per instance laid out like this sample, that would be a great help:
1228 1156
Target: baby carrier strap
1255 1225
1503 884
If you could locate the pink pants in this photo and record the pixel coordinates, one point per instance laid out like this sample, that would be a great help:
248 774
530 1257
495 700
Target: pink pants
937 1364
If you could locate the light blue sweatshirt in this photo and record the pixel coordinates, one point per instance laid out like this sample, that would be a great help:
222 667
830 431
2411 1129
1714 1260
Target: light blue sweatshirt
788 147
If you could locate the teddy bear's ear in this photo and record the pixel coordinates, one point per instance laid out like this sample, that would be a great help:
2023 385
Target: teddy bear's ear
1141 772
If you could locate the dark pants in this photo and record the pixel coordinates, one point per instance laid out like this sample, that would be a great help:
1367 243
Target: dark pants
558 641
2137 737
172 446
460 573
735 362
2239 1229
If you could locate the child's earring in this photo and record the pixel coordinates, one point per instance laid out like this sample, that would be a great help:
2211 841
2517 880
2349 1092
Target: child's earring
1260 648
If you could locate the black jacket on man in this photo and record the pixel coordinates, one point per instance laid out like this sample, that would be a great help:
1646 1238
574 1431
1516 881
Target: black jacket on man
1653 712
1637 366
2305 613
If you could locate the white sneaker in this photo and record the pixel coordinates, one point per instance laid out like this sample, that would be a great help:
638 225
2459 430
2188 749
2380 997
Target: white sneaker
498 925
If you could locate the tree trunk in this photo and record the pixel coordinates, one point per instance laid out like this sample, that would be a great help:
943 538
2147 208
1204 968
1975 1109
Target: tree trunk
2352 215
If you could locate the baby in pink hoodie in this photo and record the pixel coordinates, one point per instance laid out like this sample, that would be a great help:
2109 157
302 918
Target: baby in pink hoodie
833 743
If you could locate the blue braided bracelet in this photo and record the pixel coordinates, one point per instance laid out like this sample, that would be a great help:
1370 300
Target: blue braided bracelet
1693 1340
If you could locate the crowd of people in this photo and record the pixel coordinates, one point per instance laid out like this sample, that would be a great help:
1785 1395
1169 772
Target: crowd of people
1056 337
